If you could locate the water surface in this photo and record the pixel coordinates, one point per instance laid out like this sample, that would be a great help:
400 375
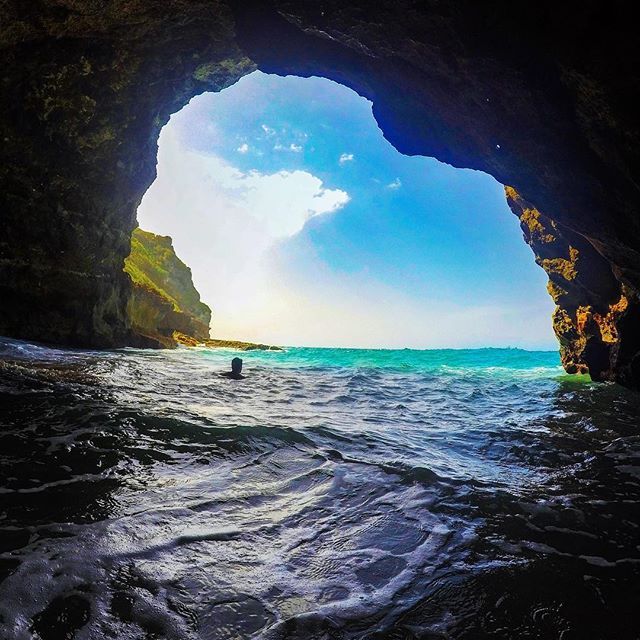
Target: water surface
331 494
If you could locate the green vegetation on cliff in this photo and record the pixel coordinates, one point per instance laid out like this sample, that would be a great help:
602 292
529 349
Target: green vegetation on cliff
164 300
164 308
154 264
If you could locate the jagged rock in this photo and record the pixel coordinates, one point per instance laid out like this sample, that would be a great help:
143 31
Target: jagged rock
239 345
541 95
591 302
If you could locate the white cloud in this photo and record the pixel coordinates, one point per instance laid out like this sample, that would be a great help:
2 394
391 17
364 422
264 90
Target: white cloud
346 157
283 202
226 224
296 148
243 148
268 130
396 184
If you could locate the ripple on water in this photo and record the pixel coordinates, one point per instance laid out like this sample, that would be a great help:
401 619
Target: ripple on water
343 494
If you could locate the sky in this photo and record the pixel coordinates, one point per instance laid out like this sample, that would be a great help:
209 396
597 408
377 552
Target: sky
303 226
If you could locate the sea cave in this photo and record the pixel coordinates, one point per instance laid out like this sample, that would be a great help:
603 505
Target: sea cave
337 493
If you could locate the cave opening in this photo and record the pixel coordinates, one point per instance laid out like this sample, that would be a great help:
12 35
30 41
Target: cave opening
303 226
330 493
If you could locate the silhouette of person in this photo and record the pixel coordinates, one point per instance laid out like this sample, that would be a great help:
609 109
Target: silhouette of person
236 370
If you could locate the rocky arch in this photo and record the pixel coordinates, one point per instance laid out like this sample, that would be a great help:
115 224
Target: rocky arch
541 96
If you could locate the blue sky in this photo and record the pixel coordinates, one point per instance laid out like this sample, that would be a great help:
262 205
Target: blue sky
304 226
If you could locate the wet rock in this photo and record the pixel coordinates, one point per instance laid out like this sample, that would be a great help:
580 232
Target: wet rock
592 304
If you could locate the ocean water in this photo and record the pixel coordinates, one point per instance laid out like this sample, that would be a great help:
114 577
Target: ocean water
332 494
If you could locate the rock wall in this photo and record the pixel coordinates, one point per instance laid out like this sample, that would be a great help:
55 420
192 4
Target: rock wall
86 88
543 96
163 301
591 304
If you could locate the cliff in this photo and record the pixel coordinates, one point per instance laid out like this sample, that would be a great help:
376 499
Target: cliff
163 299
541 95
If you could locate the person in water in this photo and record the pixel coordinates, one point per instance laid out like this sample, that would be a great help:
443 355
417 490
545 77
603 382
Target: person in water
236 370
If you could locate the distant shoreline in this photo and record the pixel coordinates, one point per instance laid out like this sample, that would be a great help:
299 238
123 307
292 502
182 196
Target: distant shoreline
213 343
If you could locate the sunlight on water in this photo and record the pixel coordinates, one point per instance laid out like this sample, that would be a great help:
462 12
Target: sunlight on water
331 494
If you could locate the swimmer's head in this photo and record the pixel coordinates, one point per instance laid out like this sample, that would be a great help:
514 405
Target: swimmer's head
236 365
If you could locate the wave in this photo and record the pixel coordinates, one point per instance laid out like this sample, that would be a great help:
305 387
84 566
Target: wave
331 493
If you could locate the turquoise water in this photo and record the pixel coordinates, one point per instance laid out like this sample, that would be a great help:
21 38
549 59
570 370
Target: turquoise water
444 361
331 494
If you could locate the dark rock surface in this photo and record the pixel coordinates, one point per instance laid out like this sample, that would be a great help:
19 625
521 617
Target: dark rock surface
86 88
543 96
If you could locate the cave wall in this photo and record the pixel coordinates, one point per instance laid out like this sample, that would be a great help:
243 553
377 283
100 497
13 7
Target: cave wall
86 88
590 302
540 95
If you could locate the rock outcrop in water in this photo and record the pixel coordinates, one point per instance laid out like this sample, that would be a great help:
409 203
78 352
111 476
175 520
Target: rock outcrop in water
591 303
543 96
239 345
164 307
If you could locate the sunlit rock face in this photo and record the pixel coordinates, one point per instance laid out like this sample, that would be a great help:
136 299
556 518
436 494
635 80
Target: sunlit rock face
542 95
592 305
164 302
